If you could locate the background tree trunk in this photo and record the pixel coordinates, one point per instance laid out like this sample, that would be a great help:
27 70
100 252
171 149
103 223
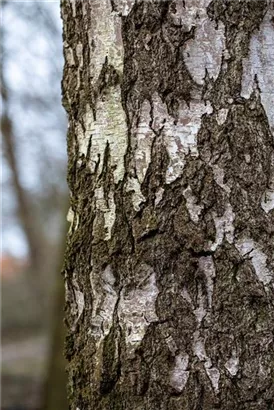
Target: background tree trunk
25 212
169 260
54 389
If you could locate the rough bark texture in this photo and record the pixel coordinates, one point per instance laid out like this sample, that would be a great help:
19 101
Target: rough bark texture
169 261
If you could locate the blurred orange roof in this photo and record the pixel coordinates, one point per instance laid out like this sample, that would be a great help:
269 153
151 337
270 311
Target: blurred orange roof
11 266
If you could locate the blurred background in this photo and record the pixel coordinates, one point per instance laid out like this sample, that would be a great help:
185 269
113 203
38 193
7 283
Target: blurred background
34 199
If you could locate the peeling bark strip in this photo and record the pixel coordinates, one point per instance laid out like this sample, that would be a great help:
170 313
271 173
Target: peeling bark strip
169 261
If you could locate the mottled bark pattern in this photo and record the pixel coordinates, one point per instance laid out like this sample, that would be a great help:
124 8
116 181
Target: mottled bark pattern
169 262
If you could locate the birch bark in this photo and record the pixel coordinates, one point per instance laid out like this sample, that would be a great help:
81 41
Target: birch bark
169 261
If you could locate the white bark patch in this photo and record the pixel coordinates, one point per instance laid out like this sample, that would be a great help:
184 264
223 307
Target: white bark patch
70 218
80 302
194 210
69 57
200 311
82 137
136 309
206 265
171 344
79 54
159 196
179 375
213 374
73 6
123 7
107 207
267 202
251 250
105 38
232 364
261 62
141 141
181 138
199 350
104 301
205 50
224 227
186 296
221 116
110 215
134 186
219 178
110 126
105 41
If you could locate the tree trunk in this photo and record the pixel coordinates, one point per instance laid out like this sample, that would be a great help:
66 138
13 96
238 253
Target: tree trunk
25 212
169 260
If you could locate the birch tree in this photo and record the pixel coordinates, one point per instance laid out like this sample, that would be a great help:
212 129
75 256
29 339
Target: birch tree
169 260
